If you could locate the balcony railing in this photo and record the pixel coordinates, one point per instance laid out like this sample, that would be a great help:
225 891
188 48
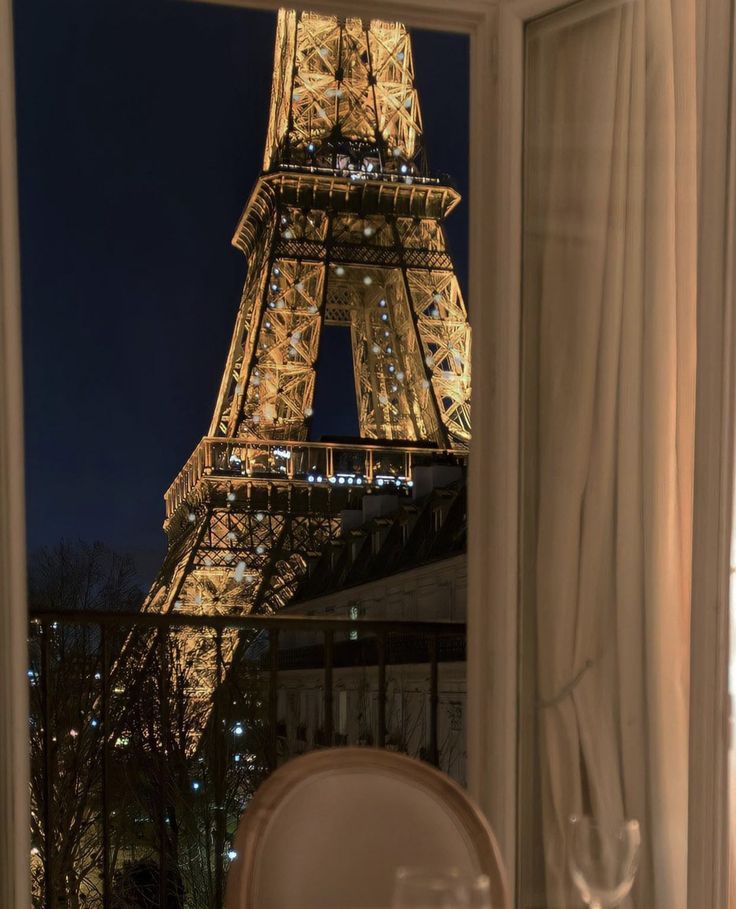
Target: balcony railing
317 463
149 734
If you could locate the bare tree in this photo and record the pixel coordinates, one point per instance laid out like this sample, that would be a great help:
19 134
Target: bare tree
187 743
65 673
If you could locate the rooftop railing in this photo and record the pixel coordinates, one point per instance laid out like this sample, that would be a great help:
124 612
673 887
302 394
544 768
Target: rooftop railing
150 733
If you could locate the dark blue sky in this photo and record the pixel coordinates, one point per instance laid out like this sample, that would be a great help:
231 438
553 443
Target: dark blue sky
141 126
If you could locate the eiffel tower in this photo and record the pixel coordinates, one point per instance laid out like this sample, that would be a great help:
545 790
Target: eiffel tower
343 227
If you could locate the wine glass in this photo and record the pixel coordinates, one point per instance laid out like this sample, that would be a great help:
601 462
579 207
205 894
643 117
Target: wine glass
429 888
603 859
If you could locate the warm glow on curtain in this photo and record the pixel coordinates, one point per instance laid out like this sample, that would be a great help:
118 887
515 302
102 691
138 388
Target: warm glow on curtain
609 298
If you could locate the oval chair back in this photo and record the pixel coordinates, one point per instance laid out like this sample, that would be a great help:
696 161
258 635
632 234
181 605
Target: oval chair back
328 830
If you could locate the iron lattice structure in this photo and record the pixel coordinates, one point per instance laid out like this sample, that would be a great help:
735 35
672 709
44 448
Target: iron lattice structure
343 227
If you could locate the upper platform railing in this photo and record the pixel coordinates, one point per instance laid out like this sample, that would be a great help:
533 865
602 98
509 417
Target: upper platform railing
313 463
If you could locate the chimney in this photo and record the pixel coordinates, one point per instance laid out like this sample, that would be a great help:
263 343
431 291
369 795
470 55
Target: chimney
434 476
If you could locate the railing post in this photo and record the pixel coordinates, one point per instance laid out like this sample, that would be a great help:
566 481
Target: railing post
434 701
329 656
273 695
105 724
381 643
219 769
48 833
163 871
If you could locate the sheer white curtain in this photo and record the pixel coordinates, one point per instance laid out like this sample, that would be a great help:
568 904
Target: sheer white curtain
609 288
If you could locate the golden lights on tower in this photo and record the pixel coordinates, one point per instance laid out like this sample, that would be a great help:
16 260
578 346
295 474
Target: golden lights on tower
343 227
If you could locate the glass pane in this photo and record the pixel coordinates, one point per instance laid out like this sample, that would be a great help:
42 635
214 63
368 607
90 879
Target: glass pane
309 433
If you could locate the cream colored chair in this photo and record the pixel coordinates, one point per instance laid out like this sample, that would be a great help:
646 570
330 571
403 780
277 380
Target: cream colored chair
328 830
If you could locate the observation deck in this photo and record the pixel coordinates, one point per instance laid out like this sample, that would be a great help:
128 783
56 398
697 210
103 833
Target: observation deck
320 465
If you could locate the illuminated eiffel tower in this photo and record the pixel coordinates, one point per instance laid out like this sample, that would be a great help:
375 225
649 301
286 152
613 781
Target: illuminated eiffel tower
343 227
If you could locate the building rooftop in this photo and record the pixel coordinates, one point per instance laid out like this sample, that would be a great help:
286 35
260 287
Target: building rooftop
398 535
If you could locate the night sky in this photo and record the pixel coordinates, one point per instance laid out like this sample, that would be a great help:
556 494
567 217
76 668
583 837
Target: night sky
141 126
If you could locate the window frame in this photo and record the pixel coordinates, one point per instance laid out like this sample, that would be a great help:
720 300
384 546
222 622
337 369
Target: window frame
495 29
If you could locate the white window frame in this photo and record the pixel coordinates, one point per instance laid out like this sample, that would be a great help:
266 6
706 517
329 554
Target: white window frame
495 28
708 846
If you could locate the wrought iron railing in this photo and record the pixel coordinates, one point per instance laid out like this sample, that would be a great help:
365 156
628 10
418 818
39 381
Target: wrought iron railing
149 734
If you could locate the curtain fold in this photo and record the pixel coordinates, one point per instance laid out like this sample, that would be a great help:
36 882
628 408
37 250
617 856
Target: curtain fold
609 280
